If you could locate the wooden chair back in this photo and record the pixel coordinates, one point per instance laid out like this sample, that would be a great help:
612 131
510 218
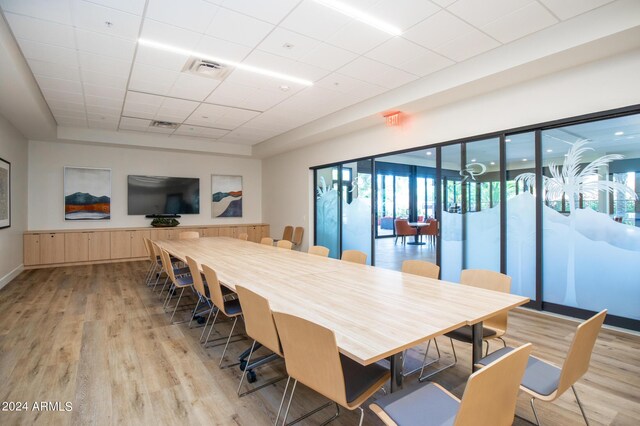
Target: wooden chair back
150 251
287 234
491 393
156 249
267 241
422 268
258 319
311 355
577 361
489 280
215 291
403 228
319 251
166 264
297 235
244 236
354 256
198 284
284 244
188 235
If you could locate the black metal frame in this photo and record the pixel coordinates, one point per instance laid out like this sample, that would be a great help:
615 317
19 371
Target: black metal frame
8 192
537 129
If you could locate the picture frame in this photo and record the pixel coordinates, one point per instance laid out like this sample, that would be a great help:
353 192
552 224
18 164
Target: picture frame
226 196
5 193
87 193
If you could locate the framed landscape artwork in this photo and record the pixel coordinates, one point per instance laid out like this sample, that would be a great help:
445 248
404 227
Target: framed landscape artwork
5 194
226 196
87 193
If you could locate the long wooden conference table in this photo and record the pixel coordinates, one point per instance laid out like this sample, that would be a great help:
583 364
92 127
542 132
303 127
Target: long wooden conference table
375 313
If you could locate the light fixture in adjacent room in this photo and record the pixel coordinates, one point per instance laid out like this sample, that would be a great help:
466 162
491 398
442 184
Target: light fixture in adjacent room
473 160
361 16
524 160
234 64
507 140
428 152
619 133
493 163
549 150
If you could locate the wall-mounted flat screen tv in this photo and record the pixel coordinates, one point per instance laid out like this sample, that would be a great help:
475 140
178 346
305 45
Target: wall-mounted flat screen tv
150 195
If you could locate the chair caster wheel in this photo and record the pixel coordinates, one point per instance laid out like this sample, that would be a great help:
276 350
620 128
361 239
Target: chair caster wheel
251 377
200 319
243 365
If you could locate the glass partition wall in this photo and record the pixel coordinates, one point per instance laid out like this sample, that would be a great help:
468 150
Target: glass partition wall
573 250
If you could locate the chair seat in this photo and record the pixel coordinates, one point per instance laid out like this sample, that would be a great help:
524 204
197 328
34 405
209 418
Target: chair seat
358 378
181 271
540 377
232 307
427 405
183 281
465 334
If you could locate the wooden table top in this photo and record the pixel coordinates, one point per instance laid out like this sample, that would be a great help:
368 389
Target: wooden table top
374 312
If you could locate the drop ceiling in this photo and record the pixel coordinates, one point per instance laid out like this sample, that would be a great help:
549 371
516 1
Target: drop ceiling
94 74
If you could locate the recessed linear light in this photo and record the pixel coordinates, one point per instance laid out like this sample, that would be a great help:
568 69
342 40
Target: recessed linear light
428 152
524 159
244 67
549 150
493 163
619 133
359 15
507 140
473 160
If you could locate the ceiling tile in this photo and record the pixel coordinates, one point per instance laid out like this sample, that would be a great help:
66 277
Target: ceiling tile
49 69
271 11
193 87
481 13
75 98
520 23
145 78
129 123
169 34
176 107
404 13
241 96
425 64
104 64
102 124
161 59
48 53
132 6
377 73
443 3
103 118
288 44
66 106
103 102
103 111
194 15
93 17
358 37
200 132
160 130
102 44
220 117
328 57
565 9
103 92
283 65
72 86
438 29
217 48
350 86
56 11
315 20
106 80
238 28
470 44
396 51
70 122
24 27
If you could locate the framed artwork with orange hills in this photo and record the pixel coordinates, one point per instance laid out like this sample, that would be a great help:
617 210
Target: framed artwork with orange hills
87 193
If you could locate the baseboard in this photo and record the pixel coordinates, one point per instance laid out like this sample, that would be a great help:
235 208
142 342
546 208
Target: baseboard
11 275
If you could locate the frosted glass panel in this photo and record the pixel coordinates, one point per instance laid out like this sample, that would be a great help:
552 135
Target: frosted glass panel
451 213
521 215
327 226
356 207
591 239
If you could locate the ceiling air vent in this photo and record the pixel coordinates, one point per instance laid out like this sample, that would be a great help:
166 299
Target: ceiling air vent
205 68
164 124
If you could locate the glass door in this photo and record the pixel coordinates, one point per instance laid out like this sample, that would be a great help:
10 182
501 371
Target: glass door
356 207
327 227
385 205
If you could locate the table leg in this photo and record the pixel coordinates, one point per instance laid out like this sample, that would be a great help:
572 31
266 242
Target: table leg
476 337
396 371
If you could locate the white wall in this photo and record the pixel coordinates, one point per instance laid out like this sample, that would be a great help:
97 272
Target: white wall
593 87
13 148
47 161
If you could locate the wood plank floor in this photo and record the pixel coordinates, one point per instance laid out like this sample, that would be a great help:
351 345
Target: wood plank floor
97 337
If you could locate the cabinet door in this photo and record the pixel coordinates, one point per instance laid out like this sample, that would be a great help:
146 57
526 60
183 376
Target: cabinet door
76 247
254 233
138 248
225 231
159 234
99 245
239 230
51 248
120 244
266 232
211 232
31 247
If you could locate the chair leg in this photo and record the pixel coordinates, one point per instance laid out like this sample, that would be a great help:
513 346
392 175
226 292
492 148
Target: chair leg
212 324
422 378
204 329
177 303
361 416
195 310
244 372
286 412
235 321
580 405
284 394
535 414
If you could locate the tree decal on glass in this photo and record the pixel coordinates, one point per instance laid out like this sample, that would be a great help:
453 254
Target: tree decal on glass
574 180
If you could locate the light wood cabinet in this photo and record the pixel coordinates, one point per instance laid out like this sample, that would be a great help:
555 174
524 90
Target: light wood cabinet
51 248
99 245
76 247
120 244
31 246
42 248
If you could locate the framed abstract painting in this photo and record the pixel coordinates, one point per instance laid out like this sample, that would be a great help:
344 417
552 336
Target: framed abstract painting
5 194
87 193
226 196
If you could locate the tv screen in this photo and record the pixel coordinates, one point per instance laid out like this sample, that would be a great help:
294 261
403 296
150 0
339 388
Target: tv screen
163 195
